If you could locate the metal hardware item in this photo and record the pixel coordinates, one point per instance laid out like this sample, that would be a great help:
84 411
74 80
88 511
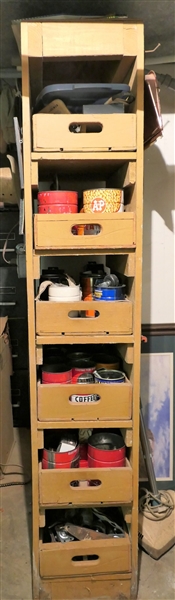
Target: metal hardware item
83 533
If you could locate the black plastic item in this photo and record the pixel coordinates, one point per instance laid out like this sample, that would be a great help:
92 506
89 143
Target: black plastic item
55 359
76 94
55 275
52 438
13 295
83 363
19 342
20 398
94 268
54 350
56 367
78 356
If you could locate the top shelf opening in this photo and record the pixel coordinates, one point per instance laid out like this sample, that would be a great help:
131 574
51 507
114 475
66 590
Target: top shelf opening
81 38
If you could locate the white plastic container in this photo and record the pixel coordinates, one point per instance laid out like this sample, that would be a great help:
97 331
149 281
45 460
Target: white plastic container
63 293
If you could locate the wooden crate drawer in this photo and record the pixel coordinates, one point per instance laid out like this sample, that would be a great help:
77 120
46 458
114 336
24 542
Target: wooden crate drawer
53 317
59 559
55 231
55 486
54 403
100 587
52 133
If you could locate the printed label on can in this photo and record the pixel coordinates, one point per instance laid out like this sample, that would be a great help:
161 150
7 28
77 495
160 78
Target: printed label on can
84 398
98 205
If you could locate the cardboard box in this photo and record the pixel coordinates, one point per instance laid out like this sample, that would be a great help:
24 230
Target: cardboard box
6 418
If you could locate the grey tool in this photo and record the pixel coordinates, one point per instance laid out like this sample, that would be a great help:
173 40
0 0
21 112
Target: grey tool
103 109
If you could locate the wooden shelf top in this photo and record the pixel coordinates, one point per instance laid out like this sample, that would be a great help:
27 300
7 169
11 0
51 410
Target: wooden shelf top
84 339
84 424
80 164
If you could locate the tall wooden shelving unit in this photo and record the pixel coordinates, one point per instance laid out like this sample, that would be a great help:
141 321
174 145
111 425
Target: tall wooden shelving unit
85 52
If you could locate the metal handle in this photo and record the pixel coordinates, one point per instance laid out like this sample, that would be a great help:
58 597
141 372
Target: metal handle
7 303
147 455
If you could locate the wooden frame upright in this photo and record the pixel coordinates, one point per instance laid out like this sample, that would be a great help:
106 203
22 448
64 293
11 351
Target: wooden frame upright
118 47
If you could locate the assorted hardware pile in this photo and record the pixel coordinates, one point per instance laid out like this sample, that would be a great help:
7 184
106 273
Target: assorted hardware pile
83 524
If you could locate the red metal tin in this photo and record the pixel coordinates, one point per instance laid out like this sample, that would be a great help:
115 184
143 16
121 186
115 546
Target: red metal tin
58 197
83 464
94 463
56 374
57 208
74 464
84 365
60 460
107 449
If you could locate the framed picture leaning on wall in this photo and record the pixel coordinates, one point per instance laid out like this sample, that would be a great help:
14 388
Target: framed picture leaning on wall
158 395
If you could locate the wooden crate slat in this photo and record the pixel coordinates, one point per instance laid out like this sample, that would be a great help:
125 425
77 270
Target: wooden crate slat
78 588
52 133
114 404
115 487
55 231
57 559
114 317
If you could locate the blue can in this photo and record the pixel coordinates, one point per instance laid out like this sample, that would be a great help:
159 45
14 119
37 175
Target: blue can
109 294
109 376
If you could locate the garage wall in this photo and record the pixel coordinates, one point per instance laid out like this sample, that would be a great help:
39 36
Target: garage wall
158 302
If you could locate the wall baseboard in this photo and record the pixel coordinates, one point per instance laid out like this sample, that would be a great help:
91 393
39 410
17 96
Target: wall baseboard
158 329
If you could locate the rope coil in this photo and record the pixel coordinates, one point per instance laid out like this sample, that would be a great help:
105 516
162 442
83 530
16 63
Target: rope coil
156 507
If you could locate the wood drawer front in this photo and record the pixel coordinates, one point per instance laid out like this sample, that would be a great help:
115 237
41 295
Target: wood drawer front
55 486
114 555
114 317
52 133
54 404
100 587
54 231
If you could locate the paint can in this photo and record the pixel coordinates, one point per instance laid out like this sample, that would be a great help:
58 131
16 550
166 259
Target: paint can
109 294
57 209
109 376
80 368
57 202
60 458
58 372
103 200
106 450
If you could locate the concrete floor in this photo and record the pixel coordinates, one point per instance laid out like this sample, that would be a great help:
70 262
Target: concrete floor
156 578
